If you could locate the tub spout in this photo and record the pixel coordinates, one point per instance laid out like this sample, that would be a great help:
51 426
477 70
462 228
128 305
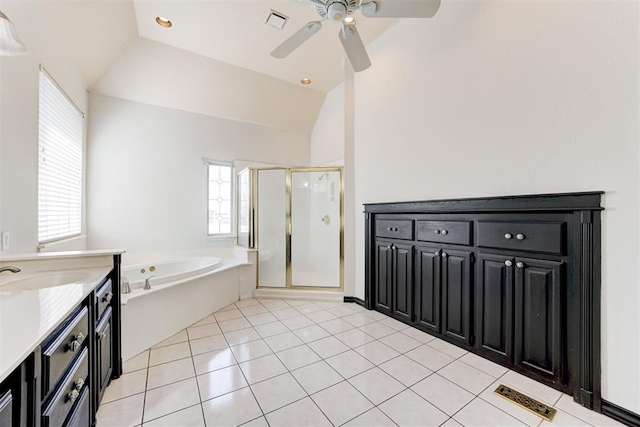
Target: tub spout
124 285
147 283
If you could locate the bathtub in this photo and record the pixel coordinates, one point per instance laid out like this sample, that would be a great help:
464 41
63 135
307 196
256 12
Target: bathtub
168 272
183 291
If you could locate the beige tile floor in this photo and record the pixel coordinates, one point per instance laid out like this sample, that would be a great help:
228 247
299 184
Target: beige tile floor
298 363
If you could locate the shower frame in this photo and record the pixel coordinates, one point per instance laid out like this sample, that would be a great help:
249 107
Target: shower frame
253 239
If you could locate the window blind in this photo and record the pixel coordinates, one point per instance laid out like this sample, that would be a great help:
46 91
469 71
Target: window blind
59 164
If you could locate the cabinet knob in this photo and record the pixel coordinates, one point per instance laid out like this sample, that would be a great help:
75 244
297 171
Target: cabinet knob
389 228
73 395
508 236
437 253
520 236
444 254
508 263
444 232
437 231
520 265
393 247
107 298
78 384
389 247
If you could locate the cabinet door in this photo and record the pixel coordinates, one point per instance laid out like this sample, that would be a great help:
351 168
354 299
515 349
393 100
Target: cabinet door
456 295
494 306
104 351
538 328
428 287
383 277
402 281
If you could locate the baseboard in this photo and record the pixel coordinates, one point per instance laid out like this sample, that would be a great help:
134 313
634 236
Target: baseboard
625 416
354 299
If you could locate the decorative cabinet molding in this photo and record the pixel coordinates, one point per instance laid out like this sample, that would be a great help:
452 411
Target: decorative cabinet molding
513 279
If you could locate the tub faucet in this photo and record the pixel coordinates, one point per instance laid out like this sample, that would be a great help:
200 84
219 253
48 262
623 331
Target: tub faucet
10 268
124 285
147 283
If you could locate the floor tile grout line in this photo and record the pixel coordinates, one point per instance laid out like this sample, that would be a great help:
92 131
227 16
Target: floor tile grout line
245 377
193 364
144 399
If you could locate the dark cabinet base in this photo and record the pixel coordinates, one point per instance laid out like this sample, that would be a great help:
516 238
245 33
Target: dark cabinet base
513 279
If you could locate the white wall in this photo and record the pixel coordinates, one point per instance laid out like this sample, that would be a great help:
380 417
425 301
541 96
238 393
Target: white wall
327 137
514 97
19 101
158 74
146 180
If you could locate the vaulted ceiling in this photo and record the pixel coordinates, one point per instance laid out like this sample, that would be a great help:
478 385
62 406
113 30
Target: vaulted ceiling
215 59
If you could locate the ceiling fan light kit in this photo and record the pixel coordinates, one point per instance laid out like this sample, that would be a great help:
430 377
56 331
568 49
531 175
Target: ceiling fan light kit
341 11
10 44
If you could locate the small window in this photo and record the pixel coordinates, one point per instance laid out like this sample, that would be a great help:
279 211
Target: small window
220 190
59 164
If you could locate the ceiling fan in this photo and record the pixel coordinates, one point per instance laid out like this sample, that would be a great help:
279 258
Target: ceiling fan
338 10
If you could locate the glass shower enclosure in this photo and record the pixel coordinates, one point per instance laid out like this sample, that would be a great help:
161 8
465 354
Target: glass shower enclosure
294 218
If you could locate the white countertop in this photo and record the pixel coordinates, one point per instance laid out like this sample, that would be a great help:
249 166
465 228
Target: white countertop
58 255
27 317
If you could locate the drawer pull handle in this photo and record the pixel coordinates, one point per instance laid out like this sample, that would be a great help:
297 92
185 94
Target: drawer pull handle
73 395
389 229
445 232
107 297
76 343
437 231
508 236
508 263
78 384
520 265
520 236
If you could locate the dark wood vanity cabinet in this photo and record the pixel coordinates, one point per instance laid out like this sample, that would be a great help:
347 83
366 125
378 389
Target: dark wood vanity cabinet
513 279
60 384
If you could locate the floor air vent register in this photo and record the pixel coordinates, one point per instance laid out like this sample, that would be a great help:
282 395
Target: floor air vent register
522 400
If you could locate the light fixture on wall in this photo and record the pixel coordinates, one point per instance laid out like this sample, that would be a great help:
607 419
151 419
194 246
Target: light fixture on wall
10 44
305 81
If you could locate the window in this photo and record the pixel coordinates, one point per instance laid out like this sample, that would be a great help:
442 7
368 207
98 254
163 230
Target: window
220 183
59 164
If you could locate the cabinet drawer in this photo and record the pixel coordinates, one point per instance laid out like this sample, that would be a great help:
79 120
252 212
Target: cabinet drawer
68 392
454 232
6 408
62 348
524 236
81 415
103 298
395 229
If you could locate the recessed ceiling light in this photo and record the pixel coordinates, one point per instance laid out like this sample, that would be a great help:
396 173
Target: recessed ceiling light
305 81
350 20
163 22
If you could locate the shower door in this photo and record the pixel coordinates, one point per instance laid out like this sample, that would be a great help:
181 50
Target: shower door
316 228
299 227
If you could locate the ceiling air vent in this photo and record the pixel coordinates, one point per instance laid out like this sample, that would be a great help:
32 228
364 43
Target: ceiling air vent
276 19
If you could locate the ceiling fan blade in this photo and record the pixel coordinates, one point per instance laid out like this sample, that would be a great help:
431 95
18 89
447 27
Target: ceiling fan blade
354 48
297 39
400 8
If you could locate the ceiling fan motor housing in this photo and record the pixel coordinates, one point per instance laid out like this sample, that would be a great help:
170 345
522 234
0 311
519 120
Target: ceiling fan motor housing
337 10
